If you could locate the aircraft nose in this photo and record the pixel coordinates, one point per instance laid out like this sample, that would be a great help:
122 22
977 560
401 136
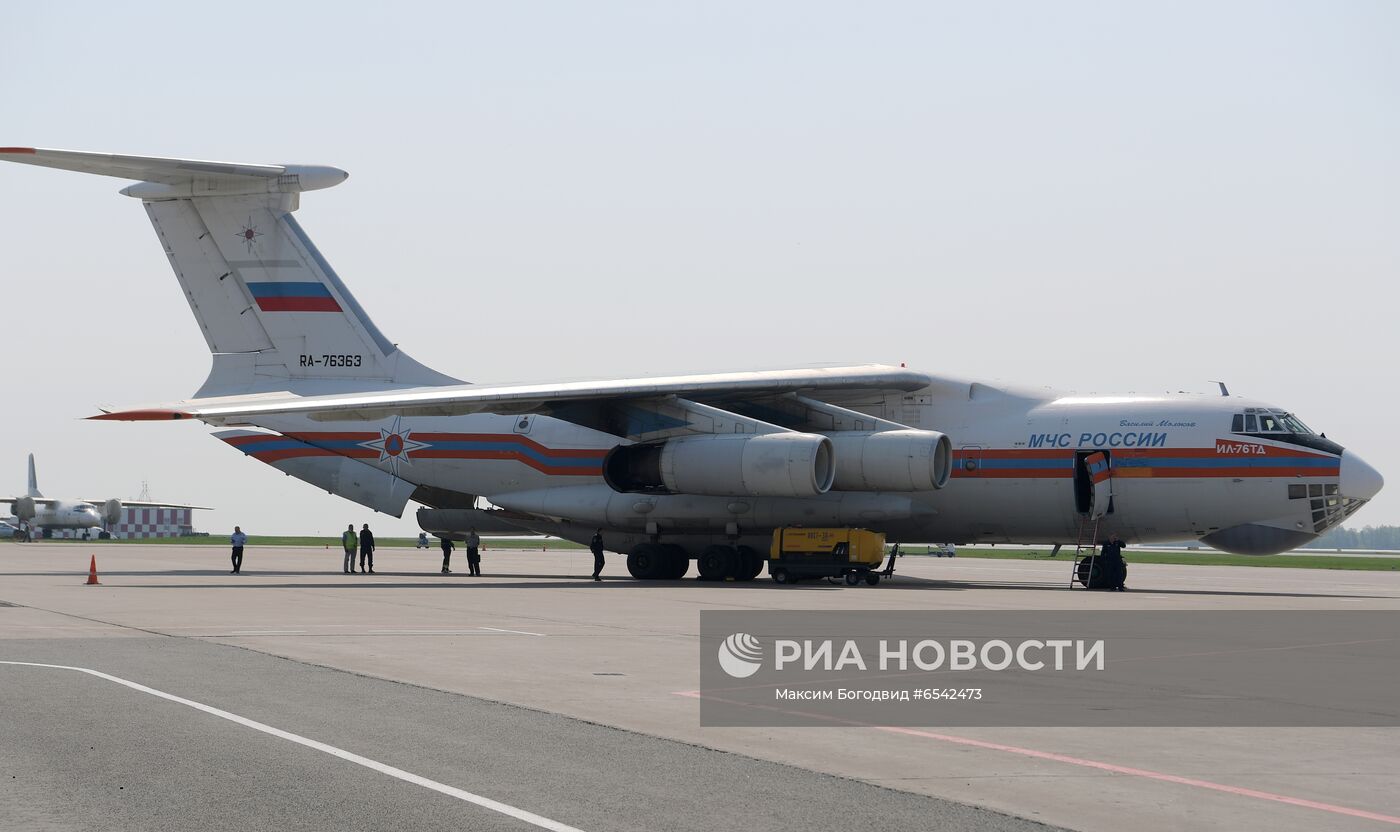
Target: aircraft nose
1359 480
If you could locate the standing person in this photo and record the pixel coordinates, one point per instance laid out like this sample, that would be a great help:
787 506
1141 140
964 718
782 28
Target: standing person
596 545
366 548
474 552
349 542
1115 568
447 548
238 538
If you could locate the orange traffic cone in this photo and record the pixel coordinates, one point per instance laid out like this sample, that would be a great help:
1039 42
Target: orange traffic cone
92 573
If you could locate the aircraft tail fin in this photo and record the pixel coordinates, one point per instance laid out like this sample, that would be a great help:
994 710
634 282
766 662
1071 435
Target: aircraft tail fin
33 480
274 313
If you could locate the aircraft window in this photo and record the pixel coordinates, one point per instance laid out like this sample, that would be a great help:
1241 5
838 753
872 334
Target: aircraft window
1315 491
1269 424
1297 492
1332 490
1238 425
1251 423
1294 424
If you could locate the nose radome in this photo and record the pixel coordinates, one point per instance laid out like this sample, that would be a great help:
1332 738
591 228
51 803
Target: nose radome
1359 480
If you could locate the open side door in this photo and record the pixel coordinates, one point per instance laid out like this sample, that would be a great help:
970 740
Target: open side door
1094 483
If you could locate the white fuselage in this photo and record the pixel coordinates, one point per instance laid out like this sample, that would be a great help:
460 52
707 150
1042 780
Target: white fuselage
1180 472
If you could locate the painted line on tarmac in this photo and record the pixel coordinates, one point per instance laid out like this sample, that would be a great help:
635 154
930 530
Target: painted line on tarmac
1112 768
266 633
374 765
513 632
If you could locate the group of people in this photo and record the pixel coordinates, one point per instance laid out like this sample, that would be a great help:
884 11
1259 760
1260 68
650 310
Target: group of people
473 542
364 543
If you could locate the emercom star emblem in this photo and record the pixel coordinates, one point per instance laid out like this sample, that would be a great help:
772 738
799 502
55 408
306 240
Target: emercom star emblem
395 445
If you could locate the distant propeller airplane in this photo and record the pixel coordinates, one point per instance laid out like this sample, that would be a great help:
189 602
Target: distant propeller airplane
37 513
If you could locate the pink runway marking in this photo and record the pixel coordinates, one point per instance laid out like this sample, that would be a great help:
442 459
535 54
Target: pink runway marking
1129 771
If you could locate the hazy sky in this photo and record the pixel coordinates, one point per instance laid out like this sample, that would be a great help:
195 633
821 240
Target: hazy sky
1097 196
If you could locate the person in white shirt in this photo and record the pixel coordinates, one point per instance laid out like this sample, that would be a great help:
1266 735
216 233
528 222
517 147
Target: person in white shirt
238 538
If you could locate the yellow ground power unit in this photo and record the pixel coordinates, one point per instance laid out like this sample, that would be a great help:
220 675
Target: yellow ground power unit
798 553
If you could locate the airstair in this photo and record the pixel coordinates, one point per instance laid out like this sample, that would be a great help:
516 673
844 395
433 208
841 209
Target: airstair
1087 539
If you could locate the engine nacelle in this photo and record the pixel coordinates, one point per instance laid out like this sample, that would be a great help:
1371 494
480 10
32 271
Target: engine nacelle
23 508
112 511
892 460
725 465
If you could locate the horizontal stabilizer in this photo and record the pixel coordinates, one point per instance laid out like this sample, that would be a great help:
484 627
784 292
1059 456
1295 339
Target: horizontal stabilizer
163 178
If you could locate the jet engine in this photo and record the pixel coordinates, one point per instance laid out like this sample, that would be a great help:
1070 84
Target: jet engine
112 511
891 460
24 508
725 465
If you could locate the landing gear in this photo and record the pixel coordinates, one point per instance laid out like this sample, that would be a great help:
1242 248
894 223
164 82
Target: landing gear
717 563
669 562
1100 573
677 563
750 564
658 561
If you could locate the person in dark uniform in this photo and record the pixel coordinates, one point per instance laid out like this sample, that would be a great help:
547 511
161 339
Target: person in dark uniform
237 540
366 548
1115 568
474 552
596 545
447 548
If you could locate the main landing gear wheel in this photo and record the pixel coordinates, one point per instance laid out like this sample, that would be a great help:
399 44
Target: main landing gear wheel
1098 573
852 578
717 563
750 564
646 561
676 563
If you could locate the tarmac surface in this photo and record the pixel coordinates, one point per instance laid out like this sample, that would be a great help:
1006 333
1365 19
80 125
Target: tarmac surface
296 697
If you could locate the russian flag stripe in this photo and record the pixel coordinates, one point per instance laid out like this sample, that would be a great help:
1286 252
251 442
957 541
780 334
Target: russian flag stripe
307 296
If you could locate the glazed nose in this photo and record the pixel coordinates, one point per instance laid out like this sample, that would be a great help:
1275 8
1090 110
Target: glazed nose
1359 480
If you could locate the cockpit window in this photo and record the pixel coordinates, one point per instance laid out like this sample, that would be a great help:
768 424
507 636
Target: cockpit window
1294 425
1259 420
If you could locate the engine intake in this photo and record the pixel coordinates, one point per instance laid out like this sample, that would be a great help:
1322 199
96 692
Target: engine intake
892 460
725 465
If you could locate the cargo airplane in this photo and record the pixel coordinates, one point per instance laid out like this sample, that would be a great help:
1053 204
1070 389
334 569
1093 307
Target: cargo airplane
35 511
698 467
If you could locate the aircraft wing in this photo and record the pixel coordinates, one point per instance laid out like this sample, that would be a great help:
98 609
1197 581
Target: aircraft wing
38 501
527 398
148 504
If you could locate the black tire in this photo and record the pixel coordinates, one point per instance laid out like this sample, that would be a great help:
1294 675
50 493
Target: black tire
717 563
677 563
645 561
780 575
1092 573
871 579
751 563
852 578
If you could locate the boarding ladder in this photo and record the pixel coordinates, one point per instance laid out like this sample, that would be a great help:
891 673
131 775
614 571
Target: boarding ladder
1087 539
